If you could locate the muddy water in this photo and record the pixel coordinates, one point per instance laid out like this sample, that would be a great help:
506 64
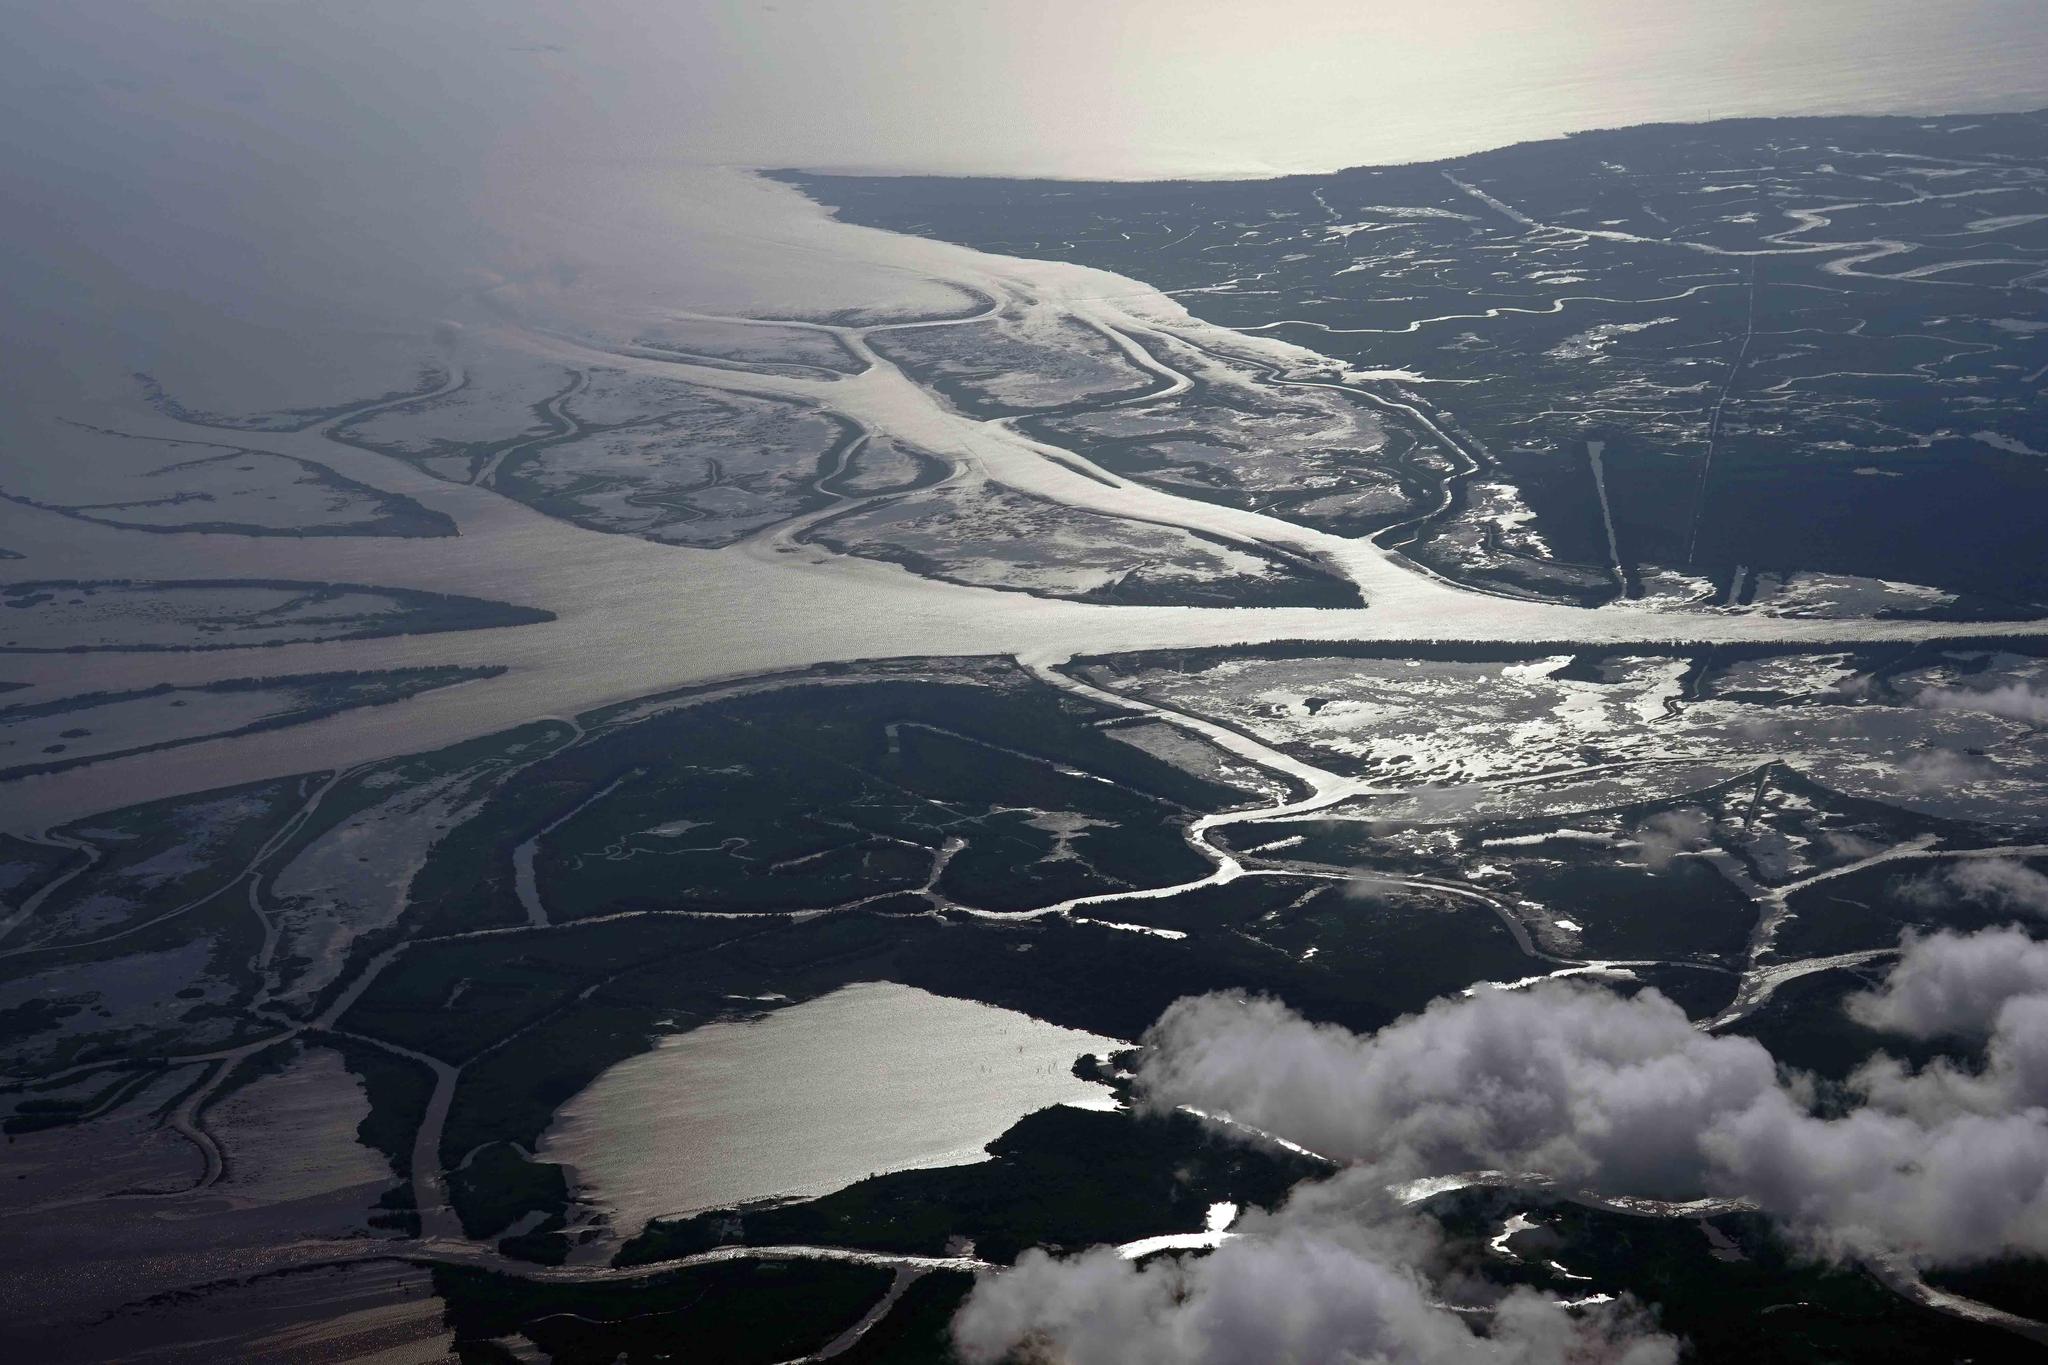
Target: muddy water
661 616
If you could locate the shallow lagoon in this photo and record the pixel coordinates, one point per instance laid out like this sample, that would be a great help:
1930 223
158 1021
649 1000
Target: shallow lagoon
873 1077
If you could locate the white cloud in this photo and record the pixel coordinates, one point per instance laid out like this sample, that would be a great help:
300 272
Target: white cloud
1668 834
2013 701
1847 844
1313 1283
1993 983
1951 1189
1954 983
1623 1096
1581 1084
2006 883
1933 771
1946 1164
1943 1165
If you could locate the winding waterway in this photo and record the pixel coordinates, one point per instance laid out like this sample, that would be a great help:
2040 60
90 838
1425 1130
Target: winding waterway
663 616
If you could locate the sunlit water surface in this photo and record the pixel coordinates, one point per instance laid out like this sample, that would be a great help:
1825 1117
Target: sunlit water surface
873 1077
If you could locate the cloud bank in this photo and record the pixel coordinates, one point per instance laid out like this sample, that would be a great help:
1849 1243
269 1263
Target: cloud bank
1623 1096
1311 1284
1993 983
1945 1164
1954 983
1574 1081
2013 701
2002 883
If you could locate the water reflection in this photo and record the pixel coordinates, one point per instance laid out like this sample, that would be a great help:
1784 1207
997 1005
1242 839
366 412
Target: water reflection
873 1077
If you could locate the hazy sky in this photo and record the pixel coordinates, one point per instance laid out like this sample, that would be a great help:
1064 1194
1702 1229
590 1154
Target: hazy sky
176 169
1159 87
1081 87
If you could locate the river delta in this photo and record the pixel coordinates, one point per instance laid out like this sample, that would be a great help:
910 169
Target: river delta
679 822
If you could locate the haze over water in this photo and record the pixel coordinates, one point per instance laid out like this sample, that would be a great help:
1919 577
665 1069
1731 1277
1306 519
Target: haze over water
292 185
296 205
804 709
